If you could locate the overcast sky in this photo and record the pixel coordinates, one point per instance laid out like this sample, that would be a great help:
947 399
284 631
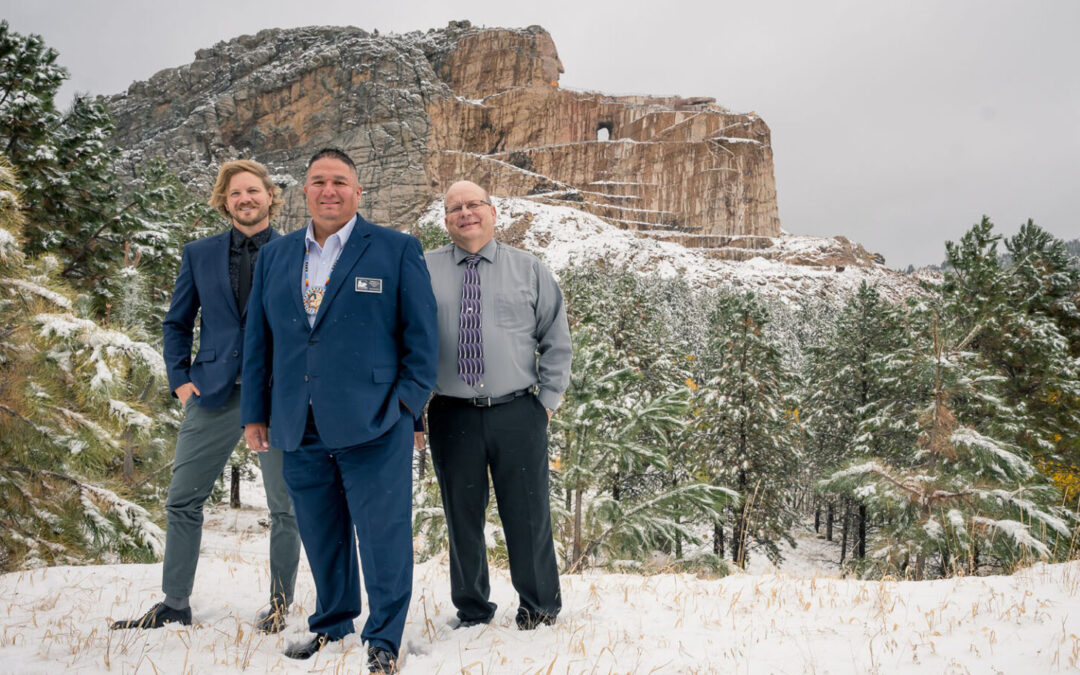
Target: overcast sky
896 124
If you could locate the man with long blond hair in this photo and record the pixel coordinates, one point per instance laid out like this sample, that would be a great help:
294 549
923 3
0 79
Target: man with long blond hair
215 277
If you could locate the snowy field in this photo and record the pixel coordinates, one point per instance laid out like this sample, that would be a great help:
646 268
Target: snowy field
798 619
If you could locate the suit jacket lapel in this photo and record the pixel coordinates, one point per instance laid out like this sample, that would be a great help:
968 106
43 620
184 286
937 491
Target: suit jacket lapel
294 272
354 248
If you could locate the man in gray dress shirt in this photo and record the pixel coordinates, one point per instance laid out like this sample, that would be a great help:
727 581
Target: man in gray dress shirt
500 378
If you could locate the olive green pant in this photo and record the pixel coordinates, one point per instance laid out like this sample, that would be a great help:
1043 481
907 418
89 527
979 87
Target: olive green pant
206 439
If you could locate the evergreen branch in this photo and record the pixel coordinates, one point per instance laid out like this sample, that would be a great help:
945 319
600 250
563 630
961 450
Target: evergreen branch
591 547
17 415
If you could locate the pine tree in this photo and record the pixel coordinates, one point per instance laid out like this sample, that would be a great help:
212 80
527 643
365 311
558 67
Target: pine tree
963 495
615 434
1026 321
747 417
81 418
75 205
849 386
29 80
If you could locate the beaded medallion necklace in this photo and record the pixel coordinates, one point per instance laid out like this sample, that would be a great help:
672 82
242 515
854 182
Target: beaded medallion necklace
313 296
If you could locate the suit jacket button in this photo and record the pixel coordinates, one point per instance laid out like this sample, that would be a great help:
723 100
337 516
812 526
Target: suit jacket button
305 378
235 353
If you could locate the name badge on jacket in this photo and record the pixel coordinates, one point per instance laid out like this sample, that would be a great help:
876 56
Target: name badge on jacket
366 285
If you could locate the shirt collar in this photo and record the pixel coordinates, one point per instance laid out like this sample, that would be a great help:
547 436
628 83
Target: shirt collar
487 252
342 234
259 238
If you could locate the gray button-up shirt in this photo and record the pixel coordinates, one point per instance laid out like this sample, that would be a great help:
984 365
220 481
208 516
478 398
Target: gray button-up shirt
526 336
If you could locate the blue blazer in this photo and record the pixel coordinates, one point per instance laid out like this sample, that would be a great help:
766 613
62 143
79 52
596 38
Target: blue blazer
203 282
373 347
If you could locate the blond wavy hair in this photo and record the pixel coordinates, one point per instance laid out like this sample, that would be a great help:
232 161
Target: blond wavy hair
230 169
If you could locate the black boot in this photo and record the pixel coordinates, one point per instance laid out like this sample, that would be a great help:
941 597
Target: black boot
305 650
271 620
381 660
159 615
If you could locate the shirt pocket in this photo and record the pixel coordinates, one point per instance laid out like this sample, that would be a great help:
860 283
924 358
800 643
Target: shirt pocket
514 310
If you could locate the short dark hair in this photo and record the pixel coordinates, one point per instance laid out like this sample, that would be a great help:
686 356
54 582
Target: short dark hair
333 153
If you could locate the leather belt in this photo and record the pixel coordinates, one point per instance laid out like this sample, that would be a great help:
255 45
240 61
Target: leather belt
488 401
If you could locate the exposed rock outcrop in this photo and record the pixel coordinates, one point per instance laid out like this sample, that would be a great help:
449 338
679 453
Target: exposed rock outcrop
419 110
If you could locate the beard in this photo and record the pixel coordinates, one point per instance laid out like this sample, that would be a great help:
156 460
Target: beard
253 217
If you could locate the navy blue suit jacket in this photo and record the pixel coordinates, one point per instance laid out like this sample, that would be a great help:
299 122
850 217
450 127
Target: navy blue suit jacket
203 282
372 349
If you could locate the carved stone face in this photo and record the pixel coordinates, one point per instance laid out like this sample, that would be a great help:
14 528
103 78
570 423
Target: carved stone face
470 227
332 191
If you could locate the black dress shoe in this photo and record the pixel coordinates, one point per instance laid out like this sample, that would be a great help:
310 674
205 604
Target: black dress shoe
381 660
159 615
527 620
305 650
271 620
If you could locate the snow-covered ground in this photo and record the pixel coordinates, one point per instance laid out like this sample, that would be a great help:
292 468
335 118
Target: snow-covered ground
800 618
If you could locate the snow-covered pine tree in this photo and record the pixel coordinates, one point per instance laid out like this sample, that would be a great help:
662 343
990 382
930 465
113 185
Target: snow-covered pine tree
615 433
1026 318
747 417
848 383
79 406
29 80
164 215
963 496
75 206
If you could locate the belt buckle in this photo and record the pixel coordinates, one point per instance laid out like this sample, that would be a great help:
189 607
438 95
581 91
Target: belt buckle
482 401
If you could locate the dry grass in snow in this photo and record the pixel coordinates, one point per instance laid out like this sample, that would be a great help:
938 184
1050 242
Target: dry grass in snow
768 621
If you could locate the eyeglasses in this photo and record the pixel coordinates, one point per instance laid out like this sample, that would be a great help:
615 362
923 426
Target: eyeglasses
472 206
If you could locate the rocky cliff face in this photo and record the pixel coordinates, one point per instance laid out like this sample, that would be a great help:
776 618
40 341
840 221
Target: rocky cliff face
420 110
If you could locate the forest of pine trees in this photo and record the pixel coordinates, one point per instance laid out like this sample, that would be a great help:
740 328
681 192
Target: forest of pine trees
933 437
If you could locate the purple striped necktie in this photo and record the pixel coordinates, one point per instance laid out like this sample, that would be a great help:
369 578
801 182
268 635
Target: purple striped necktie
470 336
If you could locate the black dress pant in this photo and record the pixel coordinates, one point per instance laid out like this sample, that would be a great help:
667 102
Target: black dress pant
511 440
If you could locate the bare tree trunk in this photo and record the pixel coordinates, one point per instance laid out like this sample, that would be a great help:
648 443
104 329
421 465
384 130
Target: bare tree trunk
718 539
829 515
129 458
736 527
234 488
421 462
844 531
577 528
862 532
817 516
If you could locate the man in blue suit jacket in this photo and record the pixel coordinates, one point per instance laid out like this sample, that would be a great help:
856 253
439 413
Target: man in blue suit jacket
340 354
215 277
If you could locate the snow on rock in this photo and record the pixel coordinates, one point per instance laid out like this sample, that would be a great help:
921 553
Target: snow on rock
563 237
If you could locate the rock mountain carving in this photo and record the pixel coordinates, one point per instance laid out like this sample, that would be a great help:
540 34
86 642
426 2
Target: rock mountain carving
418 110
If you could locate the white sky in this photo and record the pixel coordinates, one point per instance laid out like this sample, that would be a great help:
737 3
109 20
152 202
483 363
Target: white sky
897 124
